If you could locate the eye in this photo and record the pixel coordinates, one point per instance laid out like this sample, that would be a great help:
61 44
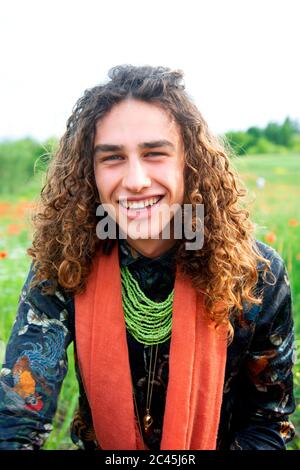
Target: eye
119 157
154 154
111 157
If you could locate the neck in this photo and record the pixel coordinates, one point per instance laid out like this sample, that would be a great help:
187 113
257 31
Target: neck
151 247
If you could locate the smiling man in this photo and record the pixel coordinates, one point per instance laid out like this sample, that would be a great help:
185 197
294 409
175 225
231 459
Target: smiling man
176 347
138 164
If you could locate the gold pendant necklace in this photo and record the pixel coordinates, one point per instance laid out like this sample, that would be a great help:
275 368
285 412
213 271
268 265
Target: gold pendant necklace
147 419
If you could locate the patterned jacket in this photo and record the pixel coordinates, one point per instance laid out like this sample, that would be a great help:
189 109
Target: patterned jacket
258 391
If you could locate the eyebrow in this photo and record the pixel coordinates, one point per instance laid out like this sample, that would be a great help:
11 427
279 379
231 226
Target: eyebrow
144 145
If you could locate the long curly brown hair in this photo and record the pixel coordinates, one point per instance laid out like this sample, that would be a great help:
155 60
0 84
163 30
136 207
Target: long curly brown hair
65 242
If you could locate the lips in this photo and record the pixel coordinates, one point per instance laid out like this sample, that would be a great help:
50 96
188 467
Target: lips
139 198
141 204
136 213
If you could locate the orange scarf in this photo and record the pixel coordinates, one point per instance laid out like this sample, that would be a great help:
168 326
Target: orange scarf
196 365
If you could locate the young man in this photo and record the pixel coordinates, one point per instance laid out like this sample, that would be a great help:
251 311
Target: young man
177 345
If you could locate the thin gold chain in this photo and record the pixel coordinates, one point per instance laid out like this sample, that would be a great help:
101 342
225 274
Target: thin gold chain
149 395
138 418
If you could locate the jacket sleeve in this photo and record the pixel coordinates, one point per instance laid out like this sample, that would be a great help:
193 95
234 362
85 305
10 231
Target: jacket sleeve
266 390
34 367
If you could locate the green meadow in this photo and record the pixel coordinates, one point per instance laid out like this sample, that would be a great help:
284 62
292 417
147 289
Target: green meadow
274 191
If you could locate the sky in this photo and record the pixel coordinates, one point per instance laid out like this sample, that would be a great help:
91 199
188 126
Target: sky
240 57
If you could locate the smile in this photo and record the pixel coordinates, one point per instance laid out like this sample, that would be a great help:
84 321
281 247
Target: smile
140 209
140 204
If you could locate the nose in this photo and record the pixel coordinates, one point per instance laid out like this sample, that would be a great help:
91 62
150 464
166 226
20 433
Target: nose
136 177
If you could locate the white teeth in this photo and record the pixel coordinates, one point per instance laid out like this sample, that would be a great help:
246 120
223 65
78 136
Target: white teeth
139 204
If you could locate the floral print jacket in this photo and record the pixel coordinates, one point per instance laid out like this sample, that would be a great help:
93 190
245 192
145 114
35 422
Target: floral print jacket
258 390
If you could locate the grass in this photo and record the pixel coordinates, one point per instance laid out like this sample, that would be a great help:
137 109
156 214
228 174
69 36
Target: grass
274 209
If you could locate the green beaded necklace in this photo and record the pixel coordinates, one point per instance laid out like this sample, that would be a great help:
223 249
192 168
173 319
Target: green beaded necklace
149 322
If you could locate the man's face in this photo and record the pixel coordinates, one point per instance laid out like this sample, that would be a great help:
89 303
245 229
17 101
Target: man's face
139 158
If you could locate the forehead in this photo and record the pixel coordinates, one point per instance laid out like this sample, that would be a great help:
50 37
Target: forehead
136 121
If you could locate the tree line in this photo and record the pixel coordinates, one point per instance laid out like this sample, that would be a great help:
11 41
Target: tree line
274 138
21 159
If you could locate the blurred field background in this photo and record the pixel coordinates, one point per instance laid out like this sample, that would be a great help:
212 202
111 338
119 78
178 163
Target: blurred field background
268 161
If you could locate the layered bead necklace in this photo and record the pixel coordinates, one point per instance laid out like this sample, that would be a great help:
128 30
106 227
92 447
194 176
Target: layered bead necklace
149 322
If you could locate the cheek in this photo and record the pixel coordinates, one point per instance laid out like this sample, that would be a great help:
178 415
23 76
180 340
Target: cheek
173 180
105 184
97 179
177 183
180 193
102 187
